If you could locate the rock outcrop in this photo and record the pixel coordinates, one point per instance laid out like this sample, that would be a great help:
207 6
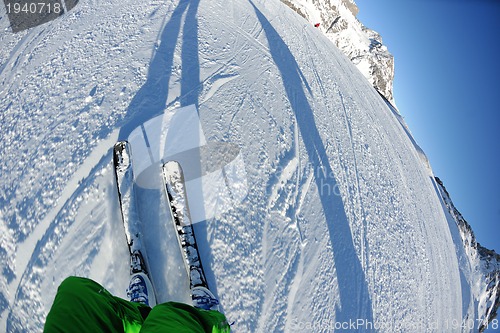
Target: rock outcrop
482 264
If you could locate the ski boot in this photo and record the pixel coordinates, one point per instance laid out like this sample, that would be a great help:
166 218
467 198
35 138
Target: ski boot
140 290
204 299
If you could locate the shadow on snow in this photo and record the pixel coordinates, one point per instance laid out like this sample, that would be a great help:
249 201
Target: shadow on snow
151 98
355 302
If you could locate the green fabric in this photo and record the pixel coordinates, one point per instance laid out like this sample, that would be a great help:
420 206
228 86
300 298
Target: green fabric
183 318
82 305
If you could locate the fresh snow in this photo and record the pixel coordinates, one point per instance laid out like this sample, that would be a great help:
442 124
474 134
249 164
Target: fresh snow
341 222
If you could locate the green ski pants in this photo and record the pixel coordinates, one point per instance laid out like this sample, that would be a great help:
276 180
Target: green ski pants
82 305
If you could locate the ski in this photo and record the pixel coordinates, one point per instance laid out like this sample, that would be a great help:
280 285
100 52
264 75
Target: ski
122 160
175 191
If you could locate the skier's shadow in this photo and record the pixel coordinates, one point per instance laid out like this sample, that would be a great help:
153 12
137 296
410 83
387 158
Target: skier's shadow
355 302
151 98
150 102
190 91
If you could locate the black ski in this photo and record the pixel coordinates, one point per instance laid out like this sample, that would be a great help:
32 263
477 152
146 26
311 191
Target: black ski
122 160
175 190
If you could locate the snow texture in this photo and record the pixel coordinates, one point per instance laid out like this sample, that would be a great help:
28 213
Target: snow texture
341 222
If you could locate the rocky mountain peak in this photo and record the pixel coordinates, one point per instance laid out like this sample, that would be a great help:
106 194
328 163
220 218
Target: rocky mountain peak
337 20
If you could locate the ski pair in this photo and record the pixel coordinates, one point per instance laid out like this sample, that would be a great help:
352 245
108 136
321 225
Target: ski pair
141 289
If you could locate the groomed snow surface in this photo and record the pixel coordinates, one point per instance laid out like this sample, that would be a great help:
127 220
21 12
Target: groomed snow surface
342 224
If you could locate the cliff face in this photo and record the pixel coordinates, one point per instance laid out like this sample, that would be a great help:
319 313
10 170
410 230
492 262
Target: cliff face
337 20
481 264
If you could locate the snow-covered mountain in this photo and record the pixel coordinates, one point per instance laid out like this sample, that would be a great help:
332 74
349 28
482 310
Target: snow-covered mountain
337 20
342 224
479 267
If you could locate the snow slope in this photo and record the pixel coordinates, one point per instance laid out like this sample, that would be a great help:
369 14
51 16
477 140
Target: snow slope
342 223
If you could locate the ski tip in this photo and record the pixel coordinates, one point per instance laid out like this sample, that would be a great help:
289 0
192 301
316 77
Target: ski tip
121 153
172 168
171 165
120 145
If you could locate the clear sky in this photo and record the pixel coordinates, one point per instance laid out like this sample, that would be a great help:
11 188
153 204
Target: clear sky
447 86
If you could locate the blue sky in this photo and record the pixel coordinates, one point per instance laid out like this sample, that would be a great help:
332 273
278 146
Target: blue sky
447 86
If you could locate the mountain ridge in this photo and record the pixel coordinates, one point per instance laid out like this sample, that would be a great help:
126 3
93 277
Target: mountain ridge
485 264
363 46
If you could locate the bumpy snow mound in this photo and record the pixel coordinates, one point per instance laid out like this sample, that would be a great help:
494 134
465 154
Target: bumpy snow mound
337 19
484 265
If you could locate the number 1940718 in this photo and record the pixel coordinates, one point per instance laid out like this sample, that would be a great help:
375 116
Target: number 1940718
34 8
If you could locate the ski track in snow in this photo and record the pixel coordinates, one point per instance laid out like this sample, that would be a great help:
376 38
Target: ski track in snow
341 220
